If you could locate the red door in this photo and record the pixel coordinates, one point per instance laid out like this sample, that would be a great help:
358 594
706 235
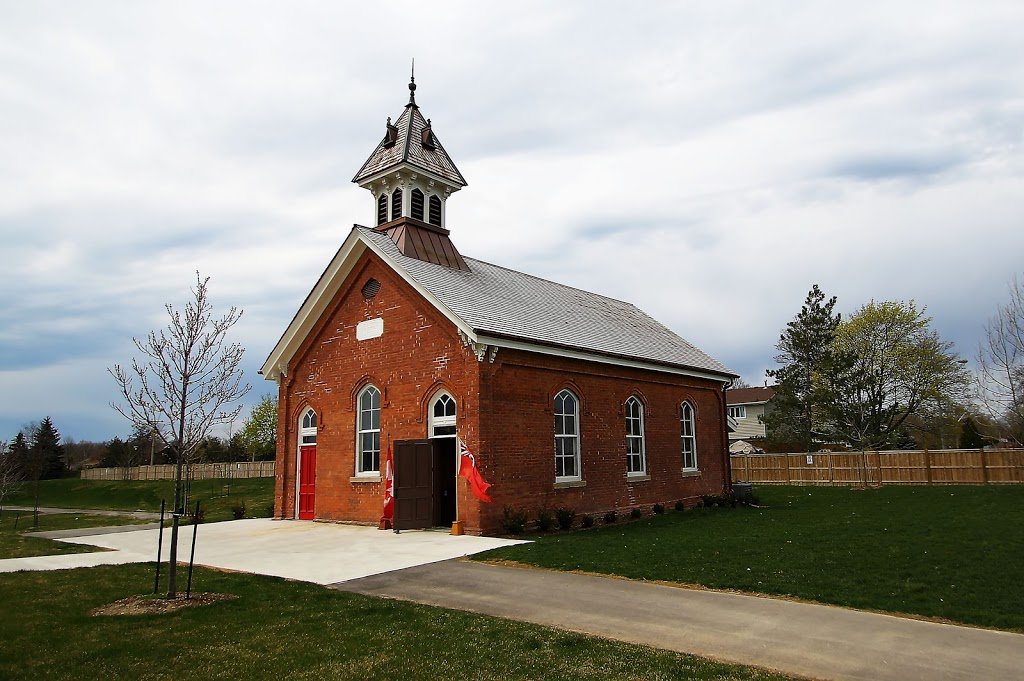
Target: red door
307 481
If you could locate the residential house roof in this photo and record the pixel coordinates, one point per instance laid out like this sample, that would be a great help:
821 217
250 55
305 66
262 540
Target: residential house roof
736 396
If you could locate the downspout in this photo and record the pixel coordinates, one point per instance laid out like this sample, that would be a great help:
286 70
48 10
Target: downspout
727 461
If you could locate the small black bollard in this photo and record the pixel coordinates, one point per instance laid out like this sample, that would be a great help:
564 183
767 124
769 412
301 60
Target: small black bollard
159 546
192 558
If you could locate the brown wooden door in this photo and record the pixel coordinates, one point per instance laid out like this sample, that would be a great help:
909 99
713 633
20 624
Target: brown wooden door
413 484
307 482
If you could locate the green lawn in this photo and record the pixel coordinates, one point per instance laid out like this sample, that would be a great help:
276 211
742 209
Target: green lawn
946 552
278 629
216 496
14 525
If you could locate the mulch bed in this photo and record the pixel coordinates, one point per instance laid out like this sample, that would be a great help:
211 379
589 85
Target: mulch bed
150 605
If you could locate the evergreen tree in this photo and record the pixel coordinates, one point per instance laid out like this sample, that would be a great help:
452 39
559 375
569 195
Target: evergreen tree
46 446
804 353
20 451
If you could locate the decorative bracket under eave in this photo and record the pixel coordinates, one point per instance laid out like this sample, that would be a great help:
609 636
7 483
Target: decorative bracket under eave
481 350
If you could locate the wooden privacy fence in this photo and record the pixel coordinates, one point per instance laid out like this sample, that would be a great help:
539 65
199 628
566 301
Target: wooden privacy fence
198 471
872 468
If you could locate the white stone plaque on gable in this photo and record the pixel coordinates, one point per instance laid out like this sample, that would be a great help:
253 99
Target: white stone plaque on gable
371 328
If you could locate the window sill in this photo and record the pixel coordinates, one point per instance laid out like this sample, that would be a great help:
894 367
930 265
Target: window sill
691 473
364 478
570 483
637 477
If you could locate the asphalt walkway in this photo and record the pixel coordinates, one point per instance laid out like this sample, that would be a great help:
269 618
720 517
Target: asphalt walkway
815 641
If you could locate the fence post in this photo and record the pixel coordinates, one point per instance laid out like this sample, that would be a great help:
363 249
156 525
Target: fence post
789 477
984 467
831 475
928 466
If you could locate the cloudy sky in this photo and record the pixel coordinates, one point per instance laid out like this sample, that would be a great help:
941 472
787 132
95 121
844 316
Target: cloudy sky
707 161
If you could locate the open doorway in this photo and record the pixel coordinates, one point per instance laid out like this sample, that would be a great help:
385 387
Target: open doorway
443 438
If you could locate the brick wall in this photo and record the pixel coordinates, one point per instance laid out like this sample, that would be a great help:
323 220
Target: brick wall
505 413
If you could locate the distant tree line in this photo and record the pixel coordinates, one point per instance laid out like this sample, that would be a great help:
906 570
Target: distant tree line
883 378
38 452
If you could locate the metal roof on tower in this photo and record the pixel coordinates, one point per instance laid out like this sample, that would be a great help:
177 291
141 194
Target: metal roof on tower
410 141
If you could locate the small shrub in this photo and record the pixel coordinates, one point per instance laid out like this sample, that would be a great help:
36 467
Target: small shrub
238 509
610 517
680 506
658 509
565 517
545 520
513 521
199 516
708 500
635 513
587 521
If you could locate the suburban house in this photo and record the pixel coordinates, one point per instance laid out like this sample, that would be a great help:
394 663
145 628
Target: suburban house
566 398
746 406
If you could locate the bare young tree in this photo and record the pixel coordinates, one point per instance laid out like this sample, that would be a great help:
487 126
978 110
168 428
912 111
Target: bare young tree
185 384
1001 364
11 478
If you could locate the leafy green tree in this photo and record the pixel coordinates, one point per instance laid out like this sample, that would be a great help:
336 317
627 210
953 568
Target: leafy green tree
259 434
888 365
970 434
805 351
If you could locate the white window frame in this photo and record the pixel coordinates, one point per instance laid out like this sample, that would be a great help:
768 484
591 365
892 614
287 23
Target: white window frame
688 435
636 434
562 438
447 420
738 411
361 431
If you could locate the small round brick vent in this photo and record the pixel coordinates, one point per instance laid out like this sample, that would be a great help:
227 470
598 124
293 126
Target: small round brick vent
370 288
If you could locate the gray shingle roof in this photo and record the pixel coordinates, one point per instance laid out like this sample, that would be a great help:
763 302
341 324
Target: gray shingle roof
497 301
409 149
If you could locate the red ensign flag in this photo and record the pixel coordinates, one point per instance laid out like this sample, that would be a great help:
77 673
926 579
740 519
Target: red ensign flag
389 489
468 470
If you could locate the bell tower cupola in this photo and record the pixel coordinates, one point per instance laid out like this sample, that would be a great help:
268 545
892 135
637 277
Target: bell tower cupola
409 173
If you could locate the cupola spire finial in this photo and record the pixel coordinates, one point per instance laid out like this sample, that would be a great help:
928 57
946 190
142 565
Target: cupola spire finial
412 83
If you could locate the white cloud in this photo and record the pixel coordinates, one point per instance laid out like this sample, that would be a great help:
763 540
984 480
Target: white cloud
707 162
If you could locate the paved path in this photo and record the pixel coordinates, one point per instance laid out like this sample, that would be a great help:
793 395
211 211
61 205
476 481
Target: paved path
815 641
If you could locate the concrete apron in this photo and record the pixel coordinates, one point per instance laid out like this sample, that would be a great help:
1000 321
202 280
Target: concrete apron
322 553
815 641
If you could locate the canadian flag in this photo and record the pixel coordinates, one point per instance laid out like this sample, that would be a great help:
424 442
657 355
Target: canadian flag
468 470
389 489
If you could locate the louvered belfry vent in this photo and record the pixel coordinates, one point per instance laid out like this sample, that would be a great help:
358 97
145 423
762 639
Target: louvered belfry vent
435 211
371 288
417 204
396 204
382 209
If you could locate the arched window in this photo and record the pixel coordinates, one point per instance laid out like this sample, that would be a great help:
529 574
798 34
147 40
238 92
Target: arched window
688 432
307 434
382 209
417 204
435 210
567 437
368 432
636 450
442 416
396 204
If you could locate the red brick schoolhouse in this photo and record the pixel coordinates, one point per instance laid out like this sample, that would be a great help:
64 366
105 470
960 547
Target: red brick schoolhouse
565 397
